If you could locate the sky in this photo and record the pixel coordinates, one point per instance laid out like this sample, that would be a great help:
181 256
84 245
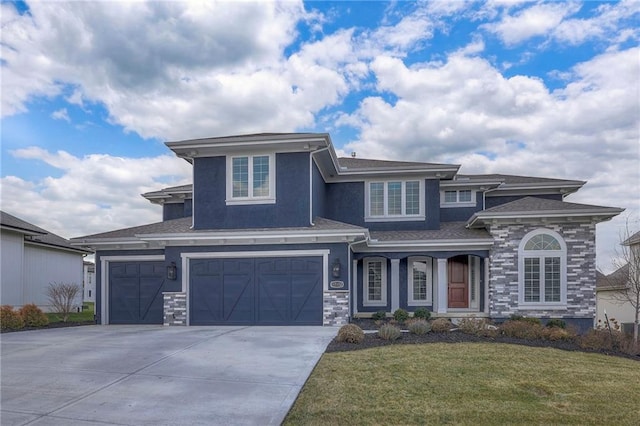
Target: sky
92 90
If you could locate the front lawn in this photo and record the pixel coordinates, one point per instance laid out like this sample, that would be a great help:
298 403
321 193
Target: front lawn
86 316
469 383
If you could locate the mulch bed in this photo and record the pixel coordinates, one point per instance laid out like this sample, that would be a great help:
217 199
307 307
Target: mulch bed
371 340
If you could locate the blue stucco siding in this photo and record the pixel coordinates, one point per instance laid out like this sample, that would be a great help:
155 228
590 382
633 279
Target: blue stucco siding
460 214
496 201
319 189
291 208
345 203
173 211
188 207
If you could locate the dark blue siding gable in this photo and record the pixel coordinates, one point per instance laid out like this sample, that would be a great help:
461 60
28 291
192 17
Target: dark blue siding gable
460 214
496 201
291 208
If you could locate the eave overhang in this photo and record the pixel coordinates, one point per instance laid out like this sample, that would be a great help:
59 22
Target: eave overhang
159 241
212 147
372 246
480 219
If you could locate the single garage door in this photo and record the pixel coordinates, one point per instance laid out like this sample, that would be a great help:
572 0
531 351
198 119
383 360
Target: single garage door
260 291
135 292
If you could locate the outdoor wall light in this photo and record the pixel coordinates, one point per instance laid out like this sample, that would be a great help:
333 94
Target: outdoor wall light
172 271
335 268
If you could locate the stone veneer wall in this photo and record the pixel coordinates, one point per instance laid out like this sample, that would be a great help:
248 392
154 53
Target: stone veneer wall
581 270
175 308
335 311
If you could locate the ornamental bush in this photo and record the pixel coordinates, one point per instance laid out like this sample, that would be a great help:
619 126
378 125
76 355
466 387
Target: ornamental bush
422 313
522 329
440 325
33 316
389 332
350 333
10 319
400 315
419 326
477 327
555 322
379 316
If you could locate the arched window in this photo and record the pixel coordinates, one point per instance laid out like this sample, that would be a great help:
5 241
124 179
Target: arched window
542 266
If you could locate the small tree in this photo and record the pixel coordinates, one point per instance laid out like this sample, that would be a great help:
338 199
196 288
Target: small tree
62 297
628 285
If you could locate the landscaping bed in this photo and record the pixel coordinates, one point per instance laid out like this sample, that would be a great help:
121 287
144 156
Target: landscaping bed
372 340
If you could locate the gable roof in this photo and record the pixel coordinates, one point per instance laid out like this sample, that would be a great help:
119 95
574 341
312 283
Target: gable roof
35 235
632 240
614 281
534 207
351 163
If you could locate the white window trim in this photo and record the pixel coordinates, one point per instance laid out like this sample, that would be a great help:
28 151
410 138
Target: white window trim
365 282
429 300
541 254
394 218
457 203
270 199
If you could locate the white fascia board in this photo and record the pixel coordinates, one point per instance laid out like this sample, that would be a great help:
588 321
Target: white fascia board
436 245
54 247
469 184
206 148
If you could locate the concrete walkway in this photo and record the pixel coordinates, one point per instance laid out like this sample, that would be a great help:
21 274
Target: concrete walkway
155 375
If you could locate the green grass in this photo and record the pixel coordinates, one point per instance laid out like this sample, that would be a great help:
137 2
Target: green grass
85 316
469 383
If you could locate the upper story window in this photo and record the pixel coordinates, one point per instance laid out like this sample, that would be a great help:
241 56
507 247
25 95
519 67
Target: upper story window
542 277
251 179
457 198
394 200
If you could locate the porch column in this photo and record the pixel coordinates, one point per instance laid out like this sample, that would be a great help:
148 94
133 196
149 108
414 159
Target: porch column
486 285
354 286
442 287
395 284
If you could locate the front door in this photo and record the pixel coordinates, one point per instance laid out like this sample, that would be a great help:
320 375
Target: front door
459 282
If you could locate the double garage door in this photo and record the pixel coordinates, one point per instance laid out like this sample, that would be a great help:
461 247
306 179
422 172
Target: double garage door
244 291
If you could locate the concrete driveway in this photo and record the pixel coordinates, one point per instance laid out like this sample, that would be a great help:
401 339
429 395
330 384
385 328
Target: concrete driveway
155 375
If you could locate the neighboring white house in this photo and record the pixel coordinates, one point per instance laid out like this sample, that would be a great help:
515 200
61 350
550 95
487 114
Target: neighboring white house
89 282
31 259
608 290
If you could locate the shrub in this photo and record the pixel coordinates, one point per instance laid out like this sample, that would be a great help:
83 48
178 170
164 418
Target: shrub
379 316
419 326
350 333
555 322
400 315
62 296
33 316
10 319
557 333
389 332
441 325
422 313
477 327
522 329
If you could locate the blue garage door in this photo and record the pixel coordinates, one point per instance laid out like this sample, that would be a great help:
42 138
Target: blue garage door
261 291
135 292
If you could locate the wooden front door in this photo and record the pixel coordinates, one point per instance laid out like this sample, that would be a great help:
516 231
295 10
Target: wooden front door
459 282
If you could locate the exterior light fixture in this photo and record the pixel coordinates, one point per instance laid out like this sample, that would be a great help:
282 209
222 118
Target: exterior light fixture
172 271
335 268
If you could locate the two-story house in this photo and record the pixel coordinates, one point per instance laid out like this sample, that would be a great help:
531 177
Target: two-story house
276 229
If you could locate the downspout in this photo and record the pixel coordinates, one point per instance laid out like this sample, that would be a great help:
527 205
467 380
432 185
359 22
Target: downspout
311 182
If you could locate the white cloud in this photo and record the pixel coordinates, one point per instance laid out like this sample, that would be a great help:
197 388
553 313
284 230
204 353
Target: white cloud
464 111
95 193
61 114
175 70
533 21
